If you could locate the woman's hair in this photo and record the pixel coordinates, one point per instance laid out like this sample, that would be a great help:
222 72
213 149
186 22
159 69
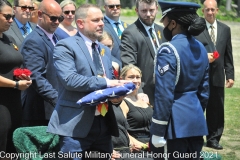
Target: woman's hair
104 36
126 68
4 3
189 21
66 2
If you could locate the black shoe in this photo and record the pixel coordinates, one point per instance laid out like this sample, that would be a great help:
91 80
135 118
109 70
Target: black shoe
214 145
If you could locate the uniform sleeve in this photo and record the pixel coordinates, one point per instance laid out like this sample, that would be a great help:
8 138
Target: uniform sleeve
165 77
203 89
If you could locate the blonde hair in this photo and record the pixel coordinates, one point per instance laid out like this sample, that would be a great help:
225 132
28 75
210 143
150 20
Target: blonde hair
66 2
105 35
126 68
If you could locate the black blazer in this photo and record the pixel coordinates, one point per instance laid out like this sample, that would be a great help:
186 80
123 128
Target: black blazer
224 64
136 48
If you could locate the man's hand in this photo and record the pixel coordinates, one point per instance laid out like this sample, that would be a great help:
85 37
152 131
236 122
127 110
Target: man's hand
114 83
210 57
229 83
158 141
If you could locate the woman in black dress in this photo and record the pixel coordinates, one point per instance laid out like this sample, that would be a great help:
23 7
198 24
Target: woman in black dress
10 86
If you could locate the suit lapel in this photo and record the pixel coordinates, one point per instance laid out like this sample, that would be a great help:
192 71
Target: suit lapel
146 37
85 51
45 38
17 31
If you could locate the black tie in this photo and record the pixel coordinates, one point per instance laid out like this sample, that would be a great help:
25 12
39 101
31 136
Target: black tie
25 32
96 60
54 39
118 30
153 38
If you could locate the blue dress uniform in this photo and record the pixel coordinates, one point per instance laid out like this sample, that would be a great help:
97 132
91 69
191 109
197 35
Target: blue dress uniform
181 90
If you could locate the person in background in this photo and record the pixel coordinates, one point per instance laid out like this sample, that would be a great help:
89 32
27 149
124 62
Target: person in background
217 36
137 112
107 40
21 26
83 65
37 50
10 86
181 83
34 13
114 26
139 45
66 29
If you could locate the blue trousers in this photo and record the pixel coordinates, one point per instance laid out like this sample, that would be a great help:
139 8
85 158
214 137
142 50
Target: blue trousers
97 144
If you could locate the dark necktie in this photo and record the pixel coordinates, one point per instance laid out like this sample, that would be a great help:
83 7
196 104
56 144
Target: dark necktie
96 60
54 39
153 38
25 32
118 30
213 35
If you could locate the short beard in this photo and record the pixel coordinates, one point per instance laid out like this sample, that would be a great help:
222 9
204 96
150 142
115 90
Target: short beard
146 22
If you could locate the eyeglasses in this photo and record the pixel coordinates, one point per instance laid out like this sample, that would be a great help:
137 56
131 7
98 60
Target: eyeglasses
118 6
55 18
8 16
67 12
24 8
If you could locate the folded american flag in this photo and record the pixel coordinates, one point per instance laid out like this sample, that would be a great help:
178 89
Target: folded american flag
101 96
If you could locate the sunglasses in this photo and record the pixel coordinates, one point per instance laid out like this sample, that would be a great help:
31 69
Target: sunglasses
55 18
8 16
118 6
24 8
67 12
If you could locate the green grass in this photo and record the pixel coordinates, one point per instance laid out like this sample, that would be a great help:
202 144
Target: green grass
230 139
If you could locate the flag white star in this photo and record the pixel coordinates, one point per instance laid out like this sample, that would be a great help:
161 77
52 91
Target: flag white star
112 95
99 92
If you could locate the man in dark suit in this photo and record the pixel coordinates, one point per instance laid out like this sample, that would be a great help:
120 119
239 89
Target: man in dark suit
84 128
37 50
114 26
21 26
217 38
137 45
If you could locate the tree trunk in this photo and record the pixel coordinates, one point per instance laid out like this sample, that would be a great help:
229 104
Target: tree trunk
228 5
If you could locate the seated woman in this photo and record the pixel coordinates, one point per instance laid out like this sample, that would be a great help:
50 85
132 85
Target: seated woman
107 40
137 111
133 119
65 28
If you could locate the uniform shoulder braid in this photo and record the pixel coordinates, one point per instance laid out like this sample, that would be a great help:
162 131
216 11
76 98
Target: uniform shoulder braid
167 48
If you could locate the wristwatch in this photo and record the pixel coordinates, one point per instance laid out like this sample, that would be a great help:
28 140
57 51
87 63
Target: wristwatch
17 85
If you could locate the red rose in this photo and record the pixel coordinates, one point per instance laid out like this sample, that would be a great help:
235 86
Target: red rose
19 71
215 54
27 72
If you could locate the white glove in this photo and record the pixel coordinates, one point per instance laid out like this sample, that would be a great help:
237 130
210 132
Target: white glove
158 141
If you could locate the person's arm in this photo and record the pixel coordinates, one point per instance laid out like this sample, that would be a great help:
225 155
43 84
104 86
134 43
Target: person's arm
165 77
36 59
21 84
228 61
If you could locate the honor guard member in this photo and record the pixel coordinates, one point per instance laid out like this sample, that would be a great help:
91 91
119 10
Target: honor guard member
181 83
